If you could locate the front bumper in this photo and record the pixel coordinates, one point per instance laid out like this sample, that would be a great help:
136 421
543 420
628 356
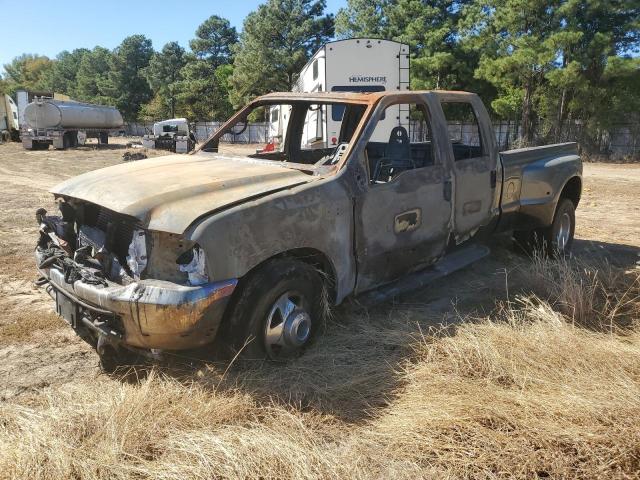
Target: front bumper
150 314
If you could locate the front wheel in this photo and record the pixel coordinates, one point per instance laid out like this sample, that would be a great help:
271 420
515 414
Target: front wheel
278 310
554 240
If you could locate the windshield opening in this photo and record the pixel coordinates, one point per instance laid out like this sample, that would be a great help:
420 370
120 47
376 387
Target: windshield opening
298 132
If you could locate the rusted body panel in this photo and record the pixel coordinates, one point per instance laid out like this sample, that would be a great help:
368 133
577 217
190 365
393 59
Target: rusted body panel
530 191
154 313
244 211
384 253
169 193
316 216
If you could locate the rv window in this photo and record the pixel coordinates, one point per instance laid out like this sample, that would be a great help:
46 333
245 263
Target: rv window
274 114
401 141
15 115
463 130
337 111
315 69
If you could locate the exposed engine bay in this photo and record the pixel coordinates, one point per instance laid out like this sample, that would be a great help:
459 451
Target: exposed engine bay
93 244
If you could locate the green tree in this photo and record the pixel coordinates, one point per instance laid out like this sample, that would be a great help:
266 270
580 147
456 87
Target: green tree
432 30
92 80
362 18
27 72
597 81
128 84
62 76
164 75
276 42
203 90
522 33
214 41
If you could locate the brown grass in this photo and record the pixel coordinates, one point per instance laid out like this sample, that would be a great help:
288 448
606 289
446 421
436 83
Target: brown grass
547 385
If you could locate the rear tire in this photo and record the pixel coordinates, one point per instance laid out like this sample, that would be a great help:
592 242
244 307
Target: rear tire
556 240
277 312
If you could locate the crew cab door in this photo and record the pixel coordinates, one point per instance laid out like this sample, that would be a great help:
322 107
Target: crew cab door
402 216
474 157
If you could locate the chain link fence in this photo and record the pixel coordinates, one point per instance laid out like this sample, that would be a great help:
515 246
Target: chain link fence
254 133
620 141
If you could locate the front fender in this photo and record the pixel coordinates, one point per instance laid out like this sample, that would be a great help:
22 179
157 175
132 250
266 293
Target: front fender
317 216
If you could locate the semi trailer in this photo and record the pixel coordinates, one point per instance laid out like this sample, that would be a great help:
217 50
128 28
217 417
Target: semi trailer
67 124
9 128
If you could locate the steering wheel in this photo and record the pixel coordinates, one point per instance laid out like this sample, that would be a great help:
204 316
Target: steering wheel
244 127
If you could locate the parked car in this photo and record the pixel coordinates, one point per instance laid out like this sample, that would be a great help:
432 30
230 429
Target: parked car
169 254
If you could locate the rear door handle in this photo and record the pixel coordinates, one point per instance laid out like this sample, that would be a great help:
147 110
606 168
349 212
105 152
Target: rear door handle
447 190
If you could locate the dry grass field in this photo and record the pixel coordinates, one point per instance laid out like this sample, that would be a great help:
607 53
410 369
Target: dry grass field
511 368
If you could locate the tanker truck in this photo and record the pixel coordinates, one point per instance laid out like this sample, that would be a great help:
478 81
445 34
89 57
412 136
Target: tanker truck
67 124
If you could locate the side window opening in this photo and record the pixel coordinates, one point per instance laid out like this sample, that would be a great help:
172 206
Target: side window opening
464 130
315 69
401 141
275 114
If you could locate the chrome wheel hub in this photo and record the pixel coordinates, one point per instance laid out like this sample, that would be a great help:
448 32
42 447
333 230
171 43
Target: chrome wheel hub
288 326
564 232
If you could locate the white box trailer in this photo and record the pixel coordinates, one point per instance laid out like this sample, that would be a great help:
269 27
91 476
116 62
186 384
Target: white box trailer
353 65
9 127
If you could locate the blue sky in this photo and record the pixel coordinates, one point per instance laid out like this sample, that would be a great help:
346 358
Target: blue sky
47 27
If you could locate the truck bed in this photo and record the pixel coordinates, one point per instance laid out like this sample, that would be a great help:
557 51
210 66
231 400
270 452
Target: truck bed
533 179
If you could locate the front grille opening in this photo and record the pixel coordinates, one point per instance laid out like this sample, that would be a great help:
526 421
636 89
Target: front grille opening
117 228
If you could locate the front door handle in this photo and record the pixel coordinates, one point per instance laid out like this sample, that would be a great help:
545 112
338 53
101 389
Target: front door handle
447 190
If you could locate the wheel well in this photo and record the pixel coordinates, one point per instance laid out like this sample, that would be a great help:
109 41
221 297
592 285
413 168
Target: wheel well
320 262
572 190
310 256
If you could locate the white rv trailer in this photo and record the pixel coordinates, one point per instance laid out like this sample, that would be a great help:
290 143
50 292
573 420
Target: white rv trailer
353 65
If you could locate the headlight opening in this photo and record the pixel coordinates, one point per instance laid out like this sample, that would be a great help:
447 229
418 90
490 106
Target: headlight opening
193 262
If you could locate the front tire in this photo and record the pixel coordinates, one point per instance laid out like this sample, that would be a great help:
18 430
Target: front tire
556 240
277 312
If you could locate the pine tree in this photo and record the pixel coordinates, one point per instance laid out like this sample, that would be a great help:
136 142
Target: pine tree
128 85
276 42
92 79
164 75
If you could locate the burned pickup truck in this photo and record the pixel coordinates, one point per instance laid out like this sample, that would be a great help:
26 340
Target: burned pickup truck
169 253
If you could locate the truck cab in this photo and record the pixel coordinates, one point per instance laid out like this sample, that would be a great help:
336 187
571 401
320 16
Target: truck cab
250 247
9 127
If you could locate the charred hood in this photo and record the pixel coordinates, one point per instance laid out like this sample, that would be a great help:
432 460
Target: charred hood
169 193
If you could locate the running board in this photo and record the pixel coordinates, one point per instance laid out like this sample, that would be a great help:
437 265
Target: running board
450 263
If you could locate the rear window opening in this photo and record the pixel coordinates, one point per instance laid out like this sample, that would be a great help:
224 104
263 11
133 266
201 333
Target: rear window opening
338 111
